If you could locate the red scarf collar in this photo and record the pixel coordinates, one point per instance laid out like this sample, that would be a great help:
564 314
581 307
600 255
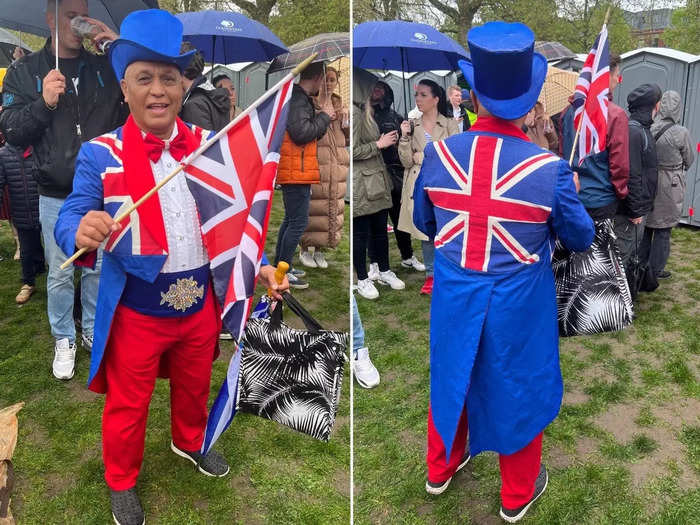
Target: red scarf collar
498 126
139 177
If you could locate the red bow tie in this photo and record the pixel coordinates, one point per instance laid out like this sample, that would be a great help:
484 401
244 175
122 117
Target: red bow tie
155 147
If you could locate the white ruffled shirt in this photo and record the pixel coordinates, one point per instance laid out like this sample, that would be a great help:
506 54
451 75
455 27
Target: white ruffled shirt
182 230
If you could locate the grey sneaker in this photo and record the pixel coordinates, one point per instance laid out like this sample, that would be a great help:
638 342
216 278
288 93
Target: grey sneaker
515 515
86 340
213 464
297 282
434 488
126 507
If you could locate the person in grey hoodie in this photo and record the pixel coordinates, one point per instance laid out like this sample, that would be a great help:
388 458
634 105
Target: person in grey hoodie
674 154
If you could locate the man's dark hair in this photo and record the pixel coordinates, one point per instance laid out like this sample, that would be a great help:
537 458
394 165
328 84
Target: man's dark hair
196 66
312 71
219 78
615 61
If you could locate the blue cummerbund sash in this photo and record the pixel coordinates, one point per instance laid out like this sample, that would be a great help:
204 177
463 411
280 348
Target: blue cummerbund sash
171 295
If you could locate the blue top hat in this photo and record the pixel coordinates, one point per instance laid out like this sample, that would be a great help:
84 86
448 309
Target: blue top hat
152 35
505 72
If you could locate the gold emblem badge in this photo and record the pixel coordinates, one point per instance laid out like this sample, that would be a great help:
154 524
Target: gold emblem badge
183 294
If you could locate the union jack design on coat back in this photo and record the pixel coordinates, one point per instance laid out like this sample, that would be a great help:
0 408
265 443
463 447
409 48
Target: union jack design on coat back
483 201
591 98
232 183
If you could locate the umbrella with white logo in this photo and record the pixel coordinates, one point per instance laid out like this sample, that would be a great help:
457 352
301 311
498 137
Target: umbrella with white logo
228 38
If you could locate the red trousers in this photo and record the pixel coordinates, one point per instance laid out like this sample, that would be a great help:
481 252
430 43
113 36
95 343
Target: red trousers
131 363
518 471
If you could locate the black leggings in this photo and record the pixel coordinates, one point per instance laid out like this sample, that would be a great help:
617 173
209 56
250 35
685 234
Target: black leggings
31 254
369 232
403 239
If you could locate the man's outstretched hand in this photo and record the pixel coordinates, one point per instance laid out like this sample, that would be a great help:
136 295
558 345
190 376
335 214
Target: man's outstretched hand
94 228
267 278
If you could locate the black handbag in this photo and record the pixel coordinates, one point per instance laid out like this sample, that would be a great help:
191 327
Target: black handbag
592 291
641 277
292 376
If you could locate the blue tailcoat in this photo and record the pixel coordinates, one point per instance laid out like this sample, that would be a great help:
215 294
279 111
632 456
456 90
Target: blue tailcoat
493 203
99 185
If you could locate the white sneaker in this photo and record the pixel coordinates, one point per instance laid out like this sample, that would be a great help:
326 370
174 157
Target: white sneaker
307 259
366 289
320 259
389 278
64 359
373 273
413 263
365 372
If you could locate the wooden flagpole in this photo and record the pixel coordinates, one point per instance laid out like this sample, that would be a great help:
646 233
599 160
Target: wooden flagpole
196 153
580 122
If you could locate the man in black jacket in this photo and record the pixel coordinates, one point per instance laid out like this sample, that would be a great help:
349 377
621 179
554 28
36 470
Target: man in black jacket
642 103
389 120
298 164
55 112
203 104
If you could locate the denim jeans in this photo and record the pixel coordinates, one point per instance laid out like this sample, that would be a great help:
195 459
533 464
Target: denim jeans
358 333
59 283
428 256
296 199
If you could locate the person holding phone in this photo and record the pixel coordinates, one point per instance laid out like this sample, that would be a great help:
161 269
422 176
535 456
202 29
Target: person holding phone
371 185
432 126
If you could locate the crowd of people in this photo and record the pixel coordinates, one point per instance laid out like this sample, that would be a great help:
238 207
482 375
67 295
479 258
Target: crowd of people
135 101
455 191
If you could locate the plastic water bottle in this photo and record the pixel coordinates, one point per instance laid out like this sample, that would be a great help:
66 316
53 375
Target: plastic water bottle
84 29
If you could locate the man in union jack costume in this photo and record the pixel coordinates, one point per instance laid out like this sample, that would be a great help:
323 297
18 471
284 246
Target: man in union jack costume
156 310
493 202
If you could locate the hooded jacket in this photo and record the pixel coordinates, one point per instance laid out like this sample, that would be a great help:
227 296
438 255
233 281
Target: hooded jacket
327 206
17 173
371 183
674 153
27 121
643 164
206 106
389 120
603 176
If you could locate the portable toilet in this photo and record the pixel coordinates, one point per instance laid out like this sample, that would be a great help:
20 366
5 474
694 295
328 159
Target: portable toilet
691 120
668 68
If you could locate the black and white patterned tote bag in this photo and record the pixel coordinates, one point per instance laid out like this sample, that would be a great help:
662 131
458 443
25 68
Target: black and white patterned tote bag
593 295
292 376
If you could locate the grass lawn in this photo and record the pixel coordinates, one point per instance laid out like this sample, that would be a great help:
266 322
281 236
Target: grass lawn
625 448
277 475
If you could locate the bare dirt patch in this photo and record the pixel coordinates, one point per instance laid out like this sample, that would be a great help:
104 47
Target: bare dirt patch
619 421
558 458
586 446
681 412
81 393
574 397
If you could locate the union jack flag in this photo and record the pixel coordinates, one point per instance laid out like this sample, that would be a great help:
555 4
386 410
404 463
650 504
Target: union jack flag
480 205
232 182
591 98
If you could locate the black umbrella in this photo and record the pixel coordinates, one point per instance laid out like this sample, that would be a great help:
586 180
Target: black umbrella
8 43
553 50
329 46
29 16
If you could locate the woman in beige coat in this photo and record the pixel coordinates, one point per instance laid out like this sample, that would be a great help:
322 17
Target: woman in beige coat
327 206
433 125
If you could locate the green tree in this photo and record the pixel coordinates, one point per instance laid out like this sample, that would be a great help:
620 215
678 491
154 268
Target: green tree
684 32
296 20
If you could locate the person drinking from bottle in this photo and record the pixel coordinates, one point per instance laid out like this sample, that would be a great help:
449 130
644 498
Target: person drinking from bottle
55 111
